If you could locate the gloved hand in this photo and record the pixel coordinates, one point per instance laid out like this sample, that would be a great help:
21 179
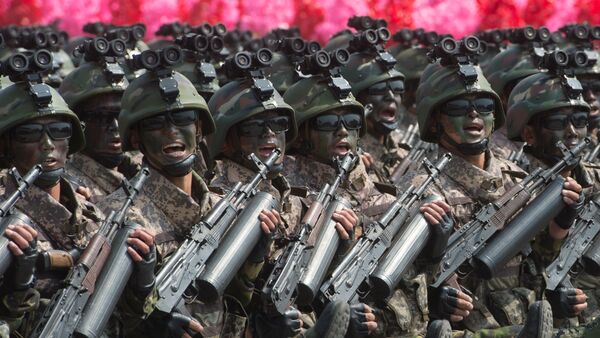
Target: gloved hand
362 321
439 217
574 199
567 302
180 325
23 242
449 303
142 250
278 326
269 220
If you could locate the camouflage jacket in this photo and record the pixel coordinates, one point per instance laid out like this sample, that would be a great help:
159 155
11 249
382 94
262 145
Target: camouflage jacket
466 188
387 155
358 189
169 213
63 225
501 146
94 176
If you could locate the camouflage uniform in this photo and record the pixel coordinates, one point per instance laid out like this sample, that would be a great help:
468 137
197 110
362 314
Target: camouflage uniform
501 301
169 213
94 176
387 155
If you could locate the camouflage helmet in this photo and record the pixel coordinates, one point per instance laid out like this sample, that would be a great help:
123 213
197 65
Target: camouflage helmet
237 101
412 62
202 75
18 105
64 63
88 80
440 84
364 70
510 66
143 98
537 94
313 96
339 40
282 73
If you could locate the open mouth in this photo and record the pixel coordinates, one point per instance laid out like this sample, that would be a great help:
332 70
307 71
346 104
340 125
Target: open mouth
115 144
388 114
266 150
342 148
49 162
176 149
475 128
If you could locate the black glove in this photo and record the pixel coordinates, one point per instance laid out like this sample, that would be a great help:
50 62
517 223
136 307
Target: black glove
563 301
21 272
443 301
566 217
440 233
177 325
261 249
286 325
358 321
143 276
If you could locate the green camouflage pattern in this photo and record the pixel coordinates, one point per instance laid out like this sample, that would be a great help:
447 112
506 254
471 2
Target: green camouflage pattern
387 155
536 94
341 40
364 70
17 107
281 73
312 96
238 101
513 64
143 99
412 62
101 181
189 70
440 84
86 81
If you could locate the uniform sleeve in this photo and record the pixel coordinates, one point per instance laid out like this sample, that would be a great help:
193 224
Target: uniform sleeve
16 307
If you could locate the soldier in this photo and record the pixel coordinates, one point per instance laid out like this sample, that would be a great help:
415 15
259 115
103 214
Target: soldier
560 113
165 123
94 91
378 85
40 128
250 123
458 109
330 122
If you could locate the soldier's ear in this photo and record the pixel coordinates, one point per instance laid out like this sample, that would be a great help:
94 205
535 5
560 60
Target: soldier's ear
528 135
134 138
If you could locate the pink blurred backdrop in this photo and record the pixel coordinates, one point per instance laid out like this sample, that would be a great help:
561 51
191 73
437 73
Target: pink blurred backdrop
317 19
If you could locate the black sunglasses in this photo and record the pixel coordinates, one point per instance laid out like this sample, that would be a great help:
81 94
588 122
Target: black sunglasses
380 88
461 107
331 122
559 122
32 132
256 127
179 118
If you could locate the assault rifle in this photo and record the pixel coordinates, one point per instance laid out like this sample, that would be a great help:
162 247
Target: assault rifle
66 307
580 249
473 243
187 263
350 278
418 150
6 211
282 285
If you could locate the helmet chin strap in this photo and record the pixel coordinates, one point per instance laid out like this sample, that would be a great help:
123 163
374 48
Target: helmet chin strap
180 168
49 178
469 149
385 128
109 160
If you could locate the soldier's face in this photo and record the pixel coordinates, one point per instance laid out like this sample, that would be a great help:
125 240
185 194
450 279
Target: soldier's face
468 119
333 133
385 99
591 95
262 133
102 127
568 125
169 138
44 140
